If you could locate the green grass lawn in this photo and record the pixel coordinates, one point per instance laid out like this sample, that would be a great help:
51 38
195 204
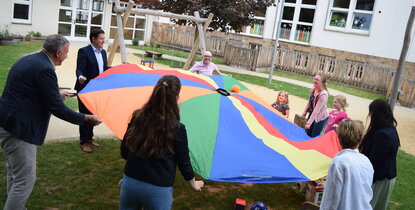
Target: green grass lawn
343 88
163 61
70 179
10 54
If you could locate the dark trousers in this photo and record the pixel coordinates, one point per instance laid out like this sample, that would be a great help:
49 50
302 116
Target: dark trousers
316 128
86 131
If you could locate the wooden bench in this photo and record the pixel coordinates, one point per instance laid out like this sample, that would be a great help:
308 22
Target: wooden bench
151 54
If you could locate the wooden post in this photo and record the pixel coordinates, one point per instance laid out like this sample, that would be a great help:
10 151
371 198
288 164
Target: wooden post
116 38
196 43
201 34
121 35
404 52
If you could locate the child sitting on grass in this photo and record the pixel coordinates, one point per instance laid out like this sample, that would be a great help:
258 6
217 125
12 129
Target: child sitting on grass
281 104
338 113
349 181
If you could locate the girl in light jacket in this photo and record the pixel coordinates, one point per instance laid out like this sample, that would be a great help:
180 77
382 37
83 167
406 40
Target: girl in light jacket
317 107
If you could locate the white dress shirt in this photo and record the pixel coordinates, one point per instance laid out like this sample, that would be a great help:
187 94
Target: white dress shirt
100 60
349 182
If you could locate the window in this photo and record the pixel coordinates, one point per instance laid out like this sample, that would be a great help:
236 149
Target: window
22 11
355 70
327 64
297 20
134 28
257 27
301 59
350 15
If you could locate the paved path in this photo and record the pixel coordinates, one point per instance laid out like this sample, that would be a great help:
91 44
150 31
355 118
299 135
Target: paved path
358 108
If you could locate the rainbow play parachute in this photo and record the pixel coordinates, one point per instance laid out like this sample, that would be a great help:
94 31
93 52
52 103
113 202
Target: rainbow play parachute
235 138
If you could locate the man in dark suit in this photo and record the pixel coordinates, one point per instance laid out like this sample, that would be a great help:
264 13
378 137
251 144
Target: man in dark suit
92 61
30 96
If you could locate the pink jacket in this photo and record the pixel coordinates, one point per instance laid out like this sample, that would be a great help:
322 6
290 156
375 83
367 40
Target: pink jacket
320 111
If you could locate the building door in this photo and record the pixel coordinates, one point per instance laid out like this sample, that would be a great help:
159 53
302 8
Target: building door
78 17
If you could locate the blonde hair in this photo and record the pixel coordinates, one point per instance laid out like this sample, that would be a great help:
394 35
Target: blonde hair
342 100
350 133
286 96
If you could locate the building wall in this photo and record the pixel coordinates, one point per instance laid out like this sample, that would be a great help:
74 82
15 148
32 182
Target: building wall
44 22
386 33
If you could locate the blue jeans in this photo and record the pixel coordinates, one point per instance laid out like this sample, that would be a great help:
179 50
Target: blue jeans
316 128
135 194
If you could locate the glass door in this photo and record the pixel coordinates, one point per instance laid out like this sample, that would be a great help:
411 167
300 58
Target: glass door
78 17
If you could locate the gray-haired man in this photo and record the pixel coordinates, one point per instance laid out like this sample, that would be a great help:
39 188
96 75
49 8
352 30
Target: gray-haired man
30 96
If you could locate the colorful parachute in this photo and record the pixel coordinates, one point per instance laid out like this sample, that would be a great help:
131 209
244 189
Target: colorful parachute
236 138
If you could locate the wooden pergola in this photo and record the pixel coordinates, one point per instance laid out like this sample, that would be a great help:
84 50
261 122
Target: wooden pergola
124 12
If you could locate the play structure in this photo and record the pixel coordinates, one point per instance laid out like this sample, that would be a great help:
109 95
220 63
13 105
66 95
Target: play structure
202 25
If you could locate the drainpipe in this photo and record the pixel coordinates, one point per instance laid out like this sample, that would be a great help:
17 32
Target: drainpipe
274 54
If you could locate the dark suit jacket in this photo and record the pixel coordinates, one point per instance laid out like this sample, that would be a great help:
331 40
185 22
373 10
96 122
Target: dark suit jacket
31 94
87 65
381 148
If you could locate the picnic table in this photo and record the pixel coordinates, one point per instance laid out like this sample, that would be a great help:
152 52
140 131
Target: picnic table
151 54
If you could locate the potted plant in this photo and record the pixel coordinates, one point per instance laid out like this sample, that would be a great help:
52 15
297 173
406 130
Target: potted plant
5 37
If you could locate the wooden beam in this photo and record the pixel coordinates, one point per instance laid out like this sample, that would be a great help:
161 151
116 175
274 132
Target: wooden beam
401 62
121 35
116 38
161 14
201 34
192 54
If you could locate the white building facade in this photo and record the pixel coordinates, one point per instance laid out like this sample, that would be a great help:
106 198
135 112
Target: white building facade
371 27
72 18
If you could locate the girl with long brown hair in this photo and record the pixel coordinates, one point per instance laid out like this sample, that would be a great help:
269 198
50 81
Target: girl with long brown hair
154 144
317 107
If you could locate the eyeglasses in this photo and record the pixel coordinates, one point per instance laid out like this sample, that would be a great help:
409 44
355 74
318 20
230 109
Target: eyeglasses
207 56
316 79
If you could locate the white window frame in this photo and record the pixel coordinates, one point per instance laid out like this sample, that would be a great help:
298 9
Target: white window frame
297 9
24 2
248 28
135 17
350 16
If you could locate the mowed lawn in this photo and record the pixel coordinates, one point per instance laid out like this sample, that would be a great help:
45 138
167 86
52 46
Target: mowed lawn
70 179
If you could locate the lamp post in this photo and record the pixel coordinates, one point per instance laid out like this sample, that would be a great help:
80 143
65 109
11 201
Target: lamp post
274 54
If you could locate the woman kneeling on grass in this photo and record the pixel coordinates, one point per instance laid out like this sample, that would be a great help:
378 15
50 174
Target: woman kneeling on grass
155 142
350 175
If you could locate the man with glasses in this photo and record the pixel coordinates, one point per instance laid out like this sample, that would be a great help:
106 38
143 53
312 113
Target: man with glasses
206 66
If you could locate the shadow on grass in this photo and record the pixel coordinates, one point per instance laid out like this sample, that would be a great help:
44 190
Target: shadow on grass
70 179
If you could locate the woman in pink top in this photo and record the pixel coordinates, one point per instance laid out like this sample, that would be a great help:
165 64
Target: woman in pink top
317 107
338 113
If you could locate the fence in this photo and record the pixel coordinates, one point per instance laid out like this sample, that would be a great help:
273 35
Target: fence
364 76
372 78
241 57
184 40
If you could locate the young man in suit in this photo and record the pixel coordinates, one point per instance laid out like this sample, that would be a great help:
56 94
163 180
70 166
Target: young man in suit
30 96
92 61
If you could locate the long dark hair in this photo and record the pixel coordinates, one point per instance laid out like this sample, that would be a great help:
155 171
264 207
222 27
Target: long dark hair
381 116
152 128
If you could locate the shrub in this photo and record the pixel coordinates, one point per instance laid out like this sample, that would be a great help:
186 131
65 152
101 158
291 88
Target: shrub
158 45
34 34
135 42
